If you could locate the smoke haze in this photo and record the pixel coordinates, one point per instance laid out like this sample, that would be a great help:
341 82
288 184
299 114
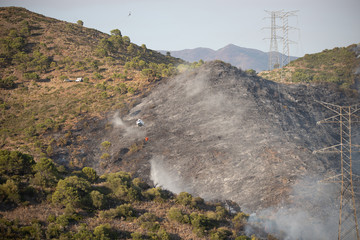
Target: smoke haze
312 215
165 176
131 131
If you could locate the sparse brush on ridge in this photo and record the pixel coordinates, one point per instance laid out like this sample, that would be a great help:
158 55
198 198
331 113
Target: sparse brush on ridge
336 66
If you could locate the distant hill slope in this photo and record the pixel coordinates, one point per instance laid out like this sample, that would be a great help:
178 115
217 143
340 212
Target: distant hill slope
339 66
245 58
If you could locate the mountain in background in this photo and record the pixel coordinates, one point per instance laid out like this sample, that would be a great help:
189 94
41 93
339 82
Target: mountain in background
245 58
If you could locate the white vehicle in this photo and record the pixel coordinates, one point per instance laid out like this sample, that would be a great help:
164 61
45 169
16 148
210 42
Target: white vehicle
140 122
79 80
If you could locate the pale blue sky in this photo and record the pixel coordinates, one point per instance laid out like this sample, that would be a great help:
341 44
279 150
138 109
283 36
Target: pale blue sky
176 25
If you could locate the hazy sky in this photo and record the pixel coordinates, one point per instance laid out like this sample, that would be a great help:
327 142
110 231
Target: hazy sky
176 25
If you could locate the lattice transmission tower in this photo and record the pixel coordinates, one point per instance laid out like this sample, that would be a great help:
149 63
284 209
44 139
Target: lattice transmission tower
286 42
345 117
274 55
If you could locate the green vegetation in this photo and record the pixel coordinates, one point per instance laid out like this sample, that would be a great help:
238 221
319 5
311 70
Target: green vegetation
125 211
117 198
89 174
8 82
335 66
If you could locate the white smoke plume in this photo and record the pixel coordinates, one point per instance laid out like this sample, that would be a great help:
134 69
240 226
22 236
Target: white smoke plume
313 214
164 176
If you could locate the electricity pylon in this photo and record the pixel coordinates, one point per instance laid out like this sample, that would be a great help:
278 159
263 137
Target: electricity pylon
274 58
345 116
274 55
286 42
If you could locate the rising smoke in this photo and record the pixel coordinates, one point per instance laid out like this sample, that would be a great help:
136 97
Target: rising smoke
295 221
130 130
164 176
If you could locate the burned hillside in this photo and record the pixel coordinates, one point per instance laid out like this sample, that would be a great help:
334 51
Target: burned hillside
221 134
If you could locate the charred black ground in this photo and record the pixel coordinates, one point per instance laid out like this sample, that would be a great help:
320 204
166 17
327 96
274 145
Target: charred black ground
220 134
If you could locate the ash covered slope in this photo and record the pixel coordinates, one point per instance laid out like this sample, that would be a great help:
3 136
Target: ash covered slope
220 134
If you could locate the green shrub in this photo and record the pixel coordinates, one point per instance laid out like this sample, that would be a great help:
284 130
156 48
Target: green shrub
33 231
15 163
46 173
197 202
137 182
250 72
9 192
8 229
98 199
240 220
63 77
63 220
131 90
149 222
8 83
117 179
90 174
133 194
243 237
201 223
30 131
98 76
51 218
106 145
136 236
157 194
221 213
177 215
53 230
220 234
121 185
160 235
83 233
31 76
104 232
184 198
121 88
105 156
71 190
123 211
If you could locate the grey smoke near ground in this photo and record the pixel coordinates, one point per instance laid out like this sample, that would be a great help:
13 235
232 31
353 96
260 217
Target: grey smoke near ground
295 221
130 130
164 176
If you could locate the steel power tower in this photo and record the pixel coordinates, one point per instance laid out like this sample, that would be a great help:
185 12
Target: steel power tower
286 42
274 56
345 116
